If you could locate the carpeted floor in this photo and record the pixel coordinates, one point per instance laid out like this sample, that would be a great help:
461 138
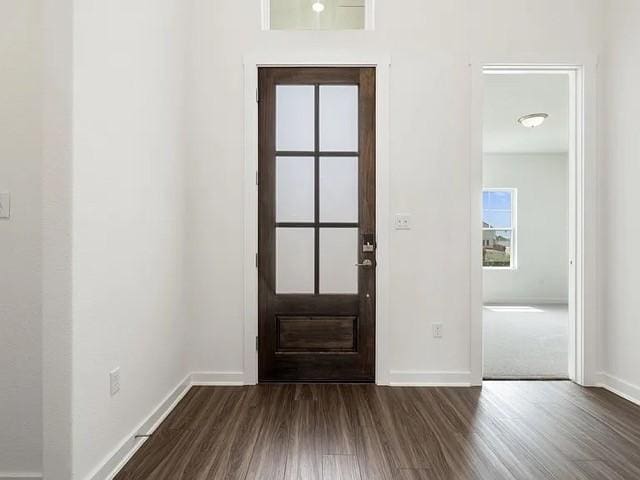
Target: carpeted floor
527 341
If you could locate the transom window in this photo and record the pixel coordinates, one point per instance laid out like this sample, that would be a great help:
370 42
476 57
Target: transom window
499 228
317 14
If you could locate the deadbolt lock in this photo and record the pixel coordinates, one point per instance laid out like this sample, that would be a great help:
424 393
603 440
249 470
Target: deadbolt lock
368 243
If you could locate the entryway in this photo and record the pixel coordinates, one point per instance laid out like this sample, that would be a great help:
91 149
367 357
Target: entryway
317 224
528 218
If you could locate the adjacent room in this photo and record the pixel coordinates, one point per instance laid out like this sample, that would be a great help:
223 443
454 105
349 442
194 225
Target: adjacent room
319 240
526 225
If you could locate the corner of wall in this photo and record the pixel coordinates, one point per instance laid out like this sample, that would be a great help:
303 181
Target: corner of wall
620 387
57 17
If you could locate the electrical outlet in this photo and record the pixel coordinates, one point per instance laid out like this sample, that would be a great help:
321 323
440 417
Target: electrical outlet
437 330
114 381
5 205
403 221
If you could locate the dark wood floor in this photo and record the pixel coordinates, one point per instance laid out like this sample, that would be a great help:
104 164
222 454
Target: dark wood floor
506 430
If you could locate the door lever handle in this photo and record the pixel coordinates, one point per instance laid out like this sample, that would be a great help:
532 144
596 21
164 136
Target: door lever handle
366 263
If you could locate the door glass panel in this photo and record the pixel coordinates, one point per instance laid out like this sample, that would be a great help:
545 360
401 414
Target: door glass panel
339 189
338 256
295 270
295 118
339 118
294 189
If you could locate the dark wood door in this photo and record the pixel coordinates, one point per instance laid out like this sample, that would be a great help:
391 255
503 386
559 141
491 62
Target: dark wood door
316 255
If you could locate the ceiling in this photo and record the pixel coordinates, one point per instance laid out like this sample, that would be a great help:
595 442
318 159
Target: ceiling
509 97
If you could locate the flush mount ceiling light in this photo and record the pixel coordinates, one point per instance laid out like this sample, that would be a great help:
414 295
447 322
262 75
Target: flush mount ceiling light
318 7
533 120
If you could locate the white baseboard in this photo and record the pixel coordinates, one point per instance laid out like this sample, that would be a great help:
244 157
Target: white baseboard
219 379
620 387
412 378
20 476
114 462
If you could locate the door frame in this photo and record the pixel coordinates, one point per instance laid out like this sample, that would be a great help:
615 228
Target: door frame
583 326
252 63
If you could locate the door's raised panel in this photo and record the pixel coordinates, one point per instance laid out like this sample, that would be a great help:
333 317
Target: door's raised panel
316 334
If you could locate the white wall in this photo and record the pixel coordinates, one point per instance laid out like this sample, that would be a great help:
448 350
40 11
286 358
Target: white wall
431 44
542 228
20 237
128 217
620 223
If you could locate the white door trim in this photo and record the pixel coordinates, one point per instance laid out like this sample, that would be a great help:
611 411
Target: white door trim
583 332
251 64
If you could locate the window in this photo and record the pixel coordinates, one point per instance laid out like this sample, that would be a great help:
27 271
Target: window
317 14
498 228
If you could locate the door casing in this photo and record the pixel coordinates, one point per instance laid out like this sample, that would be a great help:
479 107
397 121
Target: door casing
582 172
249 375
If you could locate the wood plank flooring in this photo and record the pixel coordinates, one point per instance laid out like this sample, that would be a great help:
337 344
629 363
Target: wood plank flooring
506 430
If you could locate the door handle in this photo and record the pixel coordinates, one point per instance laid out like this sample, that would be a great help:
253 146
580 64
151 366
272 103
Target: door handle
366 263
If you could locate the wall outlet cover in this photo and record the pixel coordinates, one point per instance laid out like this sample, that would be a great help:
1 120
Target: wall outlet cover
5 205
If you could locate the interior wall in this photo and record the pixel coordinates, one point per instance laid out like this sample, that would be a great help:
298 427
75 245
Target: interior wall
128 217
542 241
129 144
20 237
619 216
432 45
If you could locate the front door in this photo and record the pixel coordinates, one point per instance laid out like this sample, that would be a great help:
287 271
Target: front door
316 257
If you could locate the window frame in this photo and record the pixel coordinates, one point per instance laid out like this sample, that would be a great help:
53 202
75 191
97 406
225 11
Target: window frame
369 18
514 226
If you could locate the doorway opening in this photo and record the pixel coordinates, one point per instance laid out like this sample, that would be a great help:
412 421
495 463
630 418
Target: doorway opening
529 222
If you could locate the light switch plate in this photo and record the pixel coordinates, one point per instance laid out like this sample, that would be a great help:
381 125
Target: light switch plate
402 221
5 204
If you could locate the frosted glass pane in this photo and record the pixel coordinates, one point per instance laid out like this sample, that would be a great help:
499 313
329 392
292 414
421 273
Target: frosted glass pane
338 256
295 189
339 189
295 271
295 117
339 118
